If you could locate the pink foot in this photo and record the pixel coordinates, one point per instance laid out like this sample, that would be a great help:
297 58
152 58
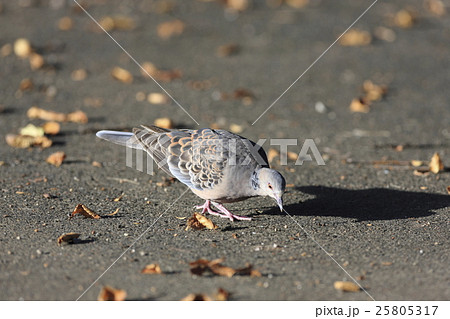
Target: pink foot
225 212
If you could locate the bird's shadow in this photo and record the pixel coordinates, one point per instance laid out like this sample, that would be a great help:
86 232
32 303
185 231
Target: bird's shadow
365 204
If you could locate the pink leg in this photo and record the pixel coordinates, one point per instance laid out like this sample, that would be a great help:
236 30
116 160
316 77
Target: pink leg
226 213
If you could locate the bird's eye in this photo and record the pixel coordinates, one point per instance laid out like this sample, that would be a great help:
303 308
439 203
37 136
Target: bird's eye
270 186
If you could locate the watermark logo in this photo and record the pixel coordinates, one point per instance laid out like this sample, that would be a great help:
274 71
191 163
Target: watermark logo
143 152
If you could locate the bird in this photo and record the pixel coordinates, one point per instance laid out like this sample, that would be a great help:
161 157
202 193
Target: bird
217 165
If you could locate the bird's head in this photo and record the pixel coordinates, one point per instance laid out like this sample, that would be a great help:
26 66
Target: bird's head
271 183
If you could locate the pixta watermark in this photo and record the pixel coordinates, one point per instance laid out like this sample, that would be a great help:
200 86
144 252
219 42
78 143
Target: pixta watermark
186 153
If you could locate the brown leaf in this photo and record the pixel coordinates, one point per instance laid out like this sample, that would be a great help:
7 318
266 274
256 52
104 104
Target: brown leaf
271 154
196 297
157 98
32 130
37 113
359 105
65 23
160 75
118 199
226 50
222 295
421 172
355 37
171 28
237 5
346 286
164 122
78 75
436 164
56 158
114 212
23 141
404 18
248 271
86 212
118 22
36 61
436 7
68 238
51 128
220 270
22 48
96 164
122 75
205 221
416 163
448 189
26 84
198 221
151 269
110 294
373 91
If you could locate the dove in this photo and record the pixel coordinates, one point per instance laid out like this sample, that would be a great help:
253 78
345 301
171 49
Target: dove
218 166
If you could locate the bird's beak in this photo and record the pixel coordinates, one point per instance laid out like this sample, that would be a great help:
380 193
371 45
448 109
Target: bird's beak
280 202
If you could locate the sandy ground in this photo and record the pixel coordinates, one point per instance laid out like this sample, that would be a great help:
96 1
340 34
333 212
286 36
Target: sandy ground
364 215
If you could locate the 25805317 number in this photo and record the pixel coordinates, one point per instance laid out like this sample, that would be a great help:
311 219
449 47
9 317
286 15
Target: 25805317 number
406 310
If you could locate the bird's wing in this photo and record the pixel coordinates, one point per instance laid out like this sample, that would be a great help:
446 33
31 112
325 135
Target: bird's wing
195 157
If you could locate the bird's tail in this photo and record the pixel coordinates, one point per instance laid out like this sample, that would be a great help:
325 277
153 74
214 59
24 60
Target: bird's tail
127 139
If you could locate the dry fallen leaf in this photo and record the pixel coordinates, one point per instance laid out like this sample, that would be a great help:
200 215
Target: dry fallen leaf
117 199
271 154
222 295
164 122
151 269
436 164
436 7
237 5
122 75
236 128
416 163
227 50
196 297
157 98
51 128
36 61
110 294
384 34
160 75
448 190
26 84
22 48
23 141
373 91
86 212
171 28
421 172
297 4
6 50
68 238
37 113
56 158
359 105
198 221
355 37
404 18
114 212
248 271
118 22
65 23
346 286
78 75
32 130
